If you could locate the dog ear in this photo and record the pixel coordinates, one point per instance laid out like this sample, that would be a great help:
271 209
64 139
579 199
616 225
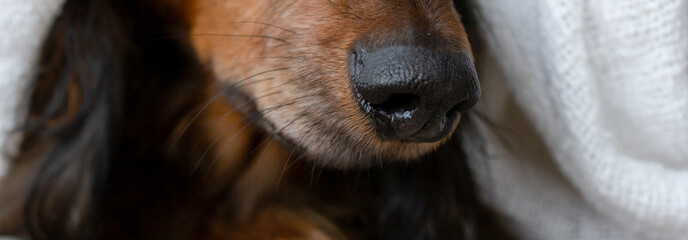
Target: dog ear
73 106
101 75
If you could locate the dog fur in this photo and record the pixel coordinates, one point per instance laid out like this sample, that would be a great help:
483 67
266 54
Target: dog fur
216 119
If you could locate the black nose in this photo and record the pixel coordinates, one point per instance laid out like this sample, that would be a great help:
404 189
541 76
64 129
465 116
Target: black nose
413 93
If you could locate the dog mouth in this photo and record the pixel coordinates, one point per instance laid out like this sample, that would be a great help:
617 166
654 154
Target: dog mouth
340 133
437 128
398 123
328 139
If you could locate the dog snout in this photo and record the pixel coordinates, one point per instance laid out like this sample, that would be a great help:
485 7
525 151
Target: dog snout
413 93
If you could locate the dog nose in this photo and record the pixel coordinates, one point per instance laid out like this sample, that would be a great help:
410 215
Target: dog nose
413 93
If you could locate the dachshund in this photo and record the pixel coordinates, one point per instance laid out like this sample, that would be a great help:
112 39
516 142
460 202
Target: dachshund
249 119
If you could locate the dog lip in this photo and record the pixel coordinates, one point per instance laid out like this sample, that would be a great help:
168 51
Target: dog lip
435 129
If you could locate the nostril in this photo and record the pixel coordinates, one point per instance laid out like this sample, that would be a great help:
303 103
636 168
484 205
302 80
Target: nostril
413 93
398 104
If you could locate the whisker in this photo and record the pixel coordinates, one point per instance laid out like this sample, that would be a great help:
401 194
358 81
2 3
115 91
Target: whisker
321 170
267 24
279 180
274 133
363 136
272 138
301 156
313 126
220 93
193 119
263 57
254 117
260 158
237 84
220 35
281 45
285 9
217 139
237 107
258 115
313 173
276 86
234 109
240 36
255 81
351 14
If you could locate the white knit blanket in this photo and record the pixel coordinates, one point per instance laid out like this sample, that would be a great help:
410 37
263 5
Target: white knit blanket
605 83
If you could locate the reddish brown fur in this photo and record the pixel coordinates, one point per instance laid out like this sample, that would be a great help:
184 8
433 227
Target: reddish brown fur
302 35
306 46
243 184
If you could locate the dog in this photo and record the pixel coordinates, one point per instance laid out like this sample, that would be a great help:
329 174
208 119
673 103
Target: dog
249 119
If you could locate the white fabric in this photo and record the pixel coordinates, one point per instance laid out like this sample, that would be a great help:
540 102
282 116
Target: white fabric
23 25
605 83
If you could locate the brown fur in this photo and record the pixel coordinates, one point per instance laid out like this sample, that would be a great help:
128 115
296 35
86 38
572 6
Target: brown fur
305 53
280 156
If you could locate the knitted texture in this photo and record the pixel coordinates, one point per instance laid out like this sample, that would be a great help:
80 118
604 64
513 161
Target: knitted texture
605 83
